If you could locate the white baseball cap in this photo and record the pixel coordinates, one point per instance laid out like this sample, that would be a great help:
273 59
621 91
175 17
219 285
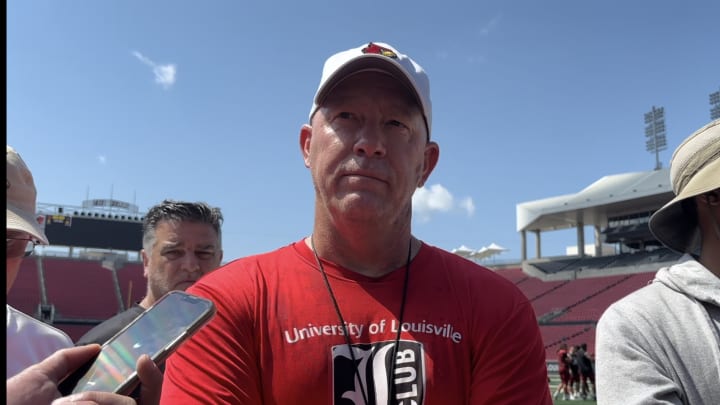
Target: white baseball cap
21 195
376 56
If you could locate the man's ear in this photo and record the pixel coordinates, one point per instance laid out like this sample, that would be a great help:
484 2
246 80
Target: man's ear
145 261
432 154
305 136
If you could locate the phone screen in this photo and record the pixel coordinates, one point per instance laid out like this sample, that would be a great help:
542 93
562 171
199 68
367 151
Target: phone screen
156 332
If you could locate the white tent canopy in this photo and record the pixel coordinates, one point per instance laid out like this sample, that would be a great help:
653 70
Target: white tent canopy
463 251
482 253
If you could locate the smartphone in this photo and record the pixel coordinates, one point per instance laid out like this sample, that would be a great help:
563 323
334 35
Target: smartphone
157 332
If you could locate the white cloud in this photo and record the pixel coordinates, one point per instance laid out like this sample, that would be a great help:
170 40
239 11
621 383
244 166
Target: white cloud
164 74
468 205
491 25
437 198
102 159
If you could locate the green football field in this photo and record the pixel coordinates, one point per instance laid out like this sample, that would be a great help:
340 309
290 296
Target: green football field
579 402
554 381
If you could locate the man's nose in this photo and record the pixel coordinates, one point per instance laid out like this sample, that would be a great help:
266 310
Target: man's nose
370 141
191 263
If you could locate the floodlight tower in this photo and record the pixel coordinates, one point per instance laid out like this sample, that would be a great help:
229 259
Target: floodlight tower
655 133
715 105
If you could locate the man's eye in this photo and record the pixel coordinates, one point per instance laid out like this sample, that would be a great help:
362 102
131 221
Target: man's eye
205 255
345 115
397 123
172 254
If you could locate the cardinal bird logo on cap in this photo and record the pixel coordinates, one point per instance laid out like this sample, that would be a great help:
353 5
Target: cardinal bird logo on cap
377 49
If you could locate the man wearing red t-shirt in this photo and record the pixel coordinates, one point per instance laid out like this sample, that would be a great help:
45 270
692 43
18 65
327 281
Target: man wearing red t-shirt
564 370
361 311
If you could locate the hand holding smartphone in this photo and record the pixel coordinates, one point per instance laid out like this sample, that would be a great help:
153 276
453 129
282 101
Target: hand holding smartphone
157 332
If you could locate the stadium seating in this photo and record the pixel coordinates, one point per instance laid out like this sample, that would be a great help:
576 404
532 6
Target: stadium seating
591 262
573 292
515 274
79 293
554 266
591 309
623 261
568 310
80 289
132 283
554 335
534 288
83 293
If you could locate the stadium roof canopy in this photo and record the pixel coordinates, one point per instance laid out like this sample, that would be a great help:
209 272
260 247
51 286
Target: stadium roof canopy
609 197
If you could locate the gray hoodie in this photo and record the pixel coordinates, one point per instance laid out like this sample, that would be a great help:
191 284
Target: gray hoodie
661 344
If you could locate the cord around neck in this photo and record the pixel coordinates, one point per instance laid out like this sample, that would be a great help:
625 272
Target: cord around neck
348 342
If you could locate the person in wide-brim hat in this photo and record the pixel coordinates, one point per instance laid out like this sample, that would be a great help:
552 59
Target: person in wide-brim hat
21 196
654 344
694 172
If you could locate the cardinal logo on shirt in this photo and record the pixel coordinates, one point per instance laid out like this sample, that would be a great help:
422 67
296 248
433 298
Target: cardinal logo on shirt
368 381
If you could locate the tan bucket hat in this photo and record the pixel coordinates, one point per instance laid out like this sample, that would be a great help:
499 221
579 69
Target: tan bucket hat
694 170
21 197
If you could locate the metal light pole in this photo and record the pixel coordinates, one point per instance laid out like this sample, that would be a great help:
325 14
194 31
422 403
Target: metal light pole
655 133
715 105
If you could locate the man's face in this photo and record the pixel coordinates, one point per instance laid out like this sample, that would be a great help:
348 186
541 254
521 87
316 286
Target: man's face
367 149
183 251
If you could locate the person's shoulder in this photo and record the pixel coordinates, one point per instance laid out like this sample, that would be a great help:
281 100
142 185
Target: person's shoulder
22 324
252 267
644 303
459 266
259 260
29 340
470 274
640 298
126 316
453 261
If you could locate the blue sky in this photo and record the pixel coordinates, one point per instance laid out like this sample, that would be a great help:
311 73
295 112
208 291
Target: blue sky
146 100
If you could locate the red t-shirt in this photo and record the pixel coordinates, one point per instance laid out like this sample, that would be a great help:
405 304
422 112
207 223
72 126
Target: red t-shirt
562 359
470 336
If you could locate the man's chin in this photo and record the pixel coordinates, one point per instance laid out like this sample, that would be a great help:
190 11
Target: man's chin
183 286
